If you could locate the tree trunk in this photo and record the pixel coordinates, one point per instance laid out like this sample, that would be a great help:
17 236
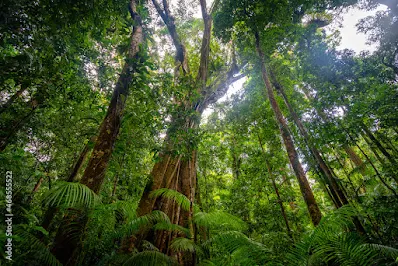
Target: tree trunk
305 188
334 187
378 145
79 163
355 159
280 202
13 129
65 248
13 98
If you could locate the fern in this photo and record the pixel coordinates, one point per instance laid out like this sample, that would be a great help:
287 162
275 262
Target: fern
330 243
172 227
150 258
219 220
141 222
234 241
385 250
179 198
70 195
182 244
37 251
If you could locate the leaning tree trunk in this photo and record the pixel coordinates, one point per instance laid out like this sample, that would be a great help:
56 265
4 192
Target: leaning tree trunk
280 202
65 248
305 188
12 99
335 190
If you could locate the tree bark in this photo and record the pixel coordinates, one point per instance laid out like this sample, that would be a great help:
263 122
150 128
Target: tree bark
65 248
305 188
178 172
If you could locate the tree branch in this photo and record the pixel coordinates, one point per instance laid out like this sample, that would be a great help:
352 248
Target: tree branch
205 48
218 89
168 19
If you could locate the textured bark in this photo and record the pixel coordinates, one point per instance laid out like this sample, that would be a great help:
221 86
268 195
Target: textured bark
178 172
305 188
94 173
65 248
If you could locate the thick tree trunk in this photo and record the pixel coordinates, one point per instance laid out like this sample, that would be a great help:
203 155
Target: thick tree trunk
65 248
305 188
176 172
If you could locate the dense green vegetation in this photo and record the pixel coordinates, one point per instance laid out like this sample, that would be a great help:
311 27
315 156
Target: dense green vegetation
120 152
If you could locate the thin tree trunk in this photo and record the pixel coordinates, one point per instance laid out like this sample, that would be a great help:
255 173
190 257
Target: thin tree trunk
378 145
9 133
336 191
79 163
377 172
355 159
305 188
13 98
280 202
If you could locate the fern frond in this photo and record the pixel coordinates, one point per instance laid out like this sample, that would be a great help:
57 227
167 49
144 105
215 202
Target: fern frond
38 250
219 219
172 227
150 258
141 222
174 195
182 244
385 250
70 195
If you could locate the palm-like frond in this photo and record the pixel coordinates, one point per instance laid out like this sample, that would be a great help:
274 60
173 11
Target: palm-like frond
331 243
344 249
219 220
37 251
70 195
172 227
179 198
385 250
234 241
150 258
141 222
182 244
